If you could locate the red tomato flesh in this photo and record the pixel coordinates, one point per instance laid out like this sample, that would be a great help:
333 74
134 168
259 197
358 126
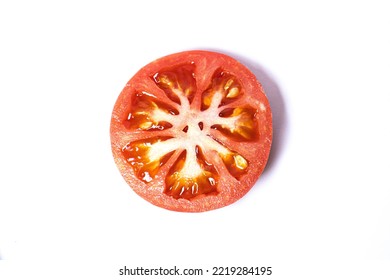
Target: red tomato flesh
192 131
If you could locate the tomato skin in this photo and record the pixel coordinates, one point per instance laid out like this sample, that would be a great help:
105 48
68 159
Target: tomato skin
256 151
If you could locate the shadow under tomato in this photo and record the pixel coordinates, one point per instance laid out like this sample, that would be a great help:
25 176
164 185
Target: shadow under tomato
278 107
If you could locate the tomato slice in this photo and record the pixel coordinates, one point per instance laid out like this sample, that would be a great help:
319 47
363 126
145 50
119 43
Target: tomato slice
192 131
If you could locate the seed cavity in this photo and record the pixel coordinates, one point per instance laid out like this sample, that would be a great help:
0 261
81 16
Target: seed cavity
235 163
178 83
148 113
191 176
147 156
223 89
238 123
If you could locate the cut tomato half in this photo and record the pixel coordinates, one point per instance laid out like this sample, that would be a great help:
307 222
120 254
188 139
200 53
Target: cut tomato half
192 131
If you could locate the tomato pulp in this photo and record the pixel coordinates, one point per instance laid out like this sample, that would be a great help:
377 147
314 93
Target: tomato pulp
192 131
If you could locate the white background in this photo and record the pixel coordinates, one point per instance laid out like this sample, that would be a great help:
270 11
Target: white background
322 205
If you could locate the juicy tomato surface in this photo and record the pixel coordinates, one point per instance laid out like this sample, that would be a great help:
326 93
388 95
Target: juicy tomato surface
192 131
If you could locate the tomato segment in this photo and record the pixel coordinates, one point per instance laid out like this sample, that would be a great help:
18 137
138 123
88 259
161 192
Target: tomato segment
191 176
238 123
147 156
149 114
177 82
236 164
224 89
192 131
